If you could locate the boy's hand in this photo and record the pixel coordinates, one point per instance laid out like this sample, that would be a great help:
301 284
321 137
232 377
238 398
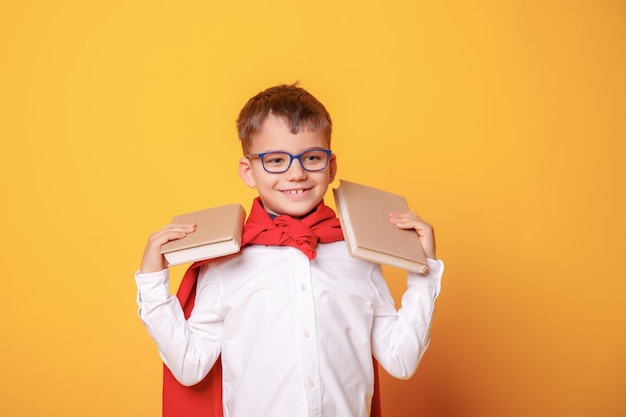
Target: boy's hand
410 220
152 260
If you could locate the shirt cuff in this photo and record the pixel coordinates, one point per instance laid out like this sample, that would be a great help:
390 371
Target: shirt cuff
154 286
432 279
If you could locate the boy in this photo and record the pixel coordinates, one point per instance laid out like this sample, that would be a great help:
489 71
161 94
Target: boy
293 319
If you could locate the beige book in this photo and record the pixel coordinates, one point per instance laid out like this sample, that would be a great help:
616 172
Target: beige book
364 216
218 233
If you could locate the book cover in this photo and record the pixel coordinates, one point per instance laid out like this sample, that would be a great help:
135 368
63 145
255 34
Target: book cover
364 216
218 233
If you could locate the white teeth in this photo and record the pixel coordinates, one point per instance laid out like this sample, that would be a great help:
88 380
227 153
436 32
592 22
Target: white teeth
294 192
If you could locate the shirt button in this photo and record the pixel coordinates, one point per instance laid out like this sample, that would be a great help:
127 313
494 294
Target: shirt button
303 287
307 334
311 383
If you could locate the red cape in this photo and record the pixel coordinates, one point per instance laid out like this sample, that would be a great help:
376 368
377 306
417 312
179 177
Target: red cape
205 398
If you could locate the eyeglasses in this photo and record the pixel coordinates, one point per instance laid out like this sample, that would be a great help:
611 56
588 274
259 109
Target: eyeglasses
278 162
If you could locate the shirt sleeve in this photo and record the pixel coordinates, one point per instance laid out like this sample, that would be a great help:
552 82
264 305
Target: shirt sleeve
189 348
400 338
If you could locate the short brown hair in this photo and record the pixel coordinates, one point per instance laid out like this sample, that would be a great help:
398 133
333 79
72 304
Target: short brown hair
298 107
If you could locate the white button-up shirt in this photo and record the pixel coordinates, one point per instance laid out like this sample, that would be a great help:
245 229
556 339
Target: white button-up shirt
296 336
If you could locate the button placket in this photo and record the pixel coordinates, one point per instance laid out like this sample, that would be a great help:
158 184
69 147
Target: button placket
310 353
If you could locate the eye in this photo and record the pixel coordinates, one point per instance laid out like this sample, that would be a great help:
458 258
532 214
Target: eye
312 157
275 159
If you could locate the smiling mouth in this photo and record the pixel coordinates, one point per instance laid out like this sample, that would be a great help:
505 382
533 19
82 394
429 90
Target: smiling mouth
295 192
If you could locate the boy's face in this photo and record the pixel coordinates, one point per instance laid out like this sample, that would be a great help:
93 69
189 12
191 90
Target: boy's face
295 192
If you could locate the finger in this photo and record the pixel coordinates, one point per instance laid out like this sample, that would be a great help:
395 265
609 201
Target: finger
408 220
153 260
404 215
405 220
175 229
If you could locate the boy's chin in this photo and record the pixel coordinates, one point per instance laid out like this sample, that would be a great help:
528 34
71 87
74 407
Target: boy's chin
295 210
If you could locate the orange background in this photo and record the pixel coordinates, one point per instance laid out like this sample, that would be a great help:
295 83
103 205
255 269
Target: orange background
502 122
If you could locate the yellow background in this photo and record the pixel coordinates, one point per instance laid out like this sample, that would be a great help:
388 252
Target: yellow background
502 122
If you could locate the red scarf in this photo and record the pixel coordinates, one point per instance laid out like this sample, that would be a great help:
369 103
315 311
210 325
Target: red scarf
205 398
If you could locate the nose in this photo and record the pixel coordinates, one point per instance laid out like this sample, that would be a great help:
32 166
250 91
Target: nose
296 171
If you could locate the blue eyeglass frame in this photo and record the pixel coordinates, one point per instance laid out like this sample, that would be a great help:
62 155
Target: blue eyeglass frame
261 155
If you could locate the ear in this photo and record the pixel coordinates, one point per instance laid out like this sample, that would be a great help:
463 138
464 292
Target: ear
332 167
246 173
